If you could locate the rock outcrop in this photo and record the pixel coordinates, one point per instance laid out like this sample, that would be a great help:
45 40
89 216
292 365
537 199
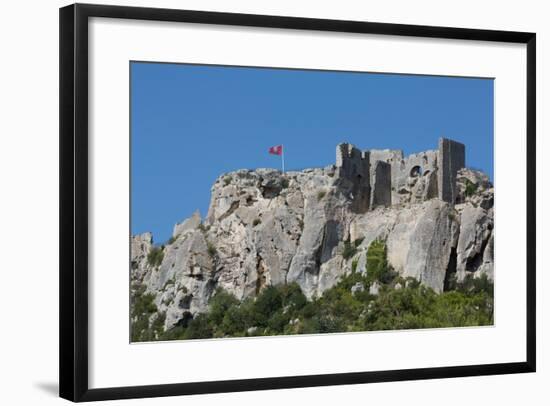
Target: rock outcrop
268 228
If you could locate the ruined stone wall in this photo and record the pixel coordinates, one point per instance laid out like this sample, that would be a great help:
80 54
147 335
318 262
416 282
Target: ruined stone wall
426 161
381 185
395 158
451 158
350 160
412 179
415 167
354 165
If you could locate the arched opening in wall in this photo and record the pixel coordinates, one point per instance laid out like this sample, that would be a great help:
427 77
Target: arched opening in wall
415 171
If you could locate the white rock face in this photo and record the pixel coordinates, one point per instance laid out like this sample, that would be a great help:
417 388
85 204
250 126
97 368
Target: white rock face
264 228
430 245
374 288
187 225
475 235
419 239
140 246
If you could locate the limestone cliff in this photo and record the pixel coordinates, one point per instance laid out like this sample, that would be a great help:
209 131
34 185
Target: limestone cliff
264 227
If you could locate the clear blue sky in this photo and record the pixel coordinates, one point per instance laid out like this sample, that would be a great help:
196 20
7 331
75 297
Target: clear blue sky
192 123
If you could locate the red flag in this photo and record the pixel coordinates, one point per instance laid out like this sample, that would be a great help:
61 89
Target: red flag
276 150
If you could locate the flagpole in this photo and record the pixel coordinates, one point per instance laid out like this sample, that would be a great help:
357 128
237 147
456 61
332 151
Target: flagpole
283 157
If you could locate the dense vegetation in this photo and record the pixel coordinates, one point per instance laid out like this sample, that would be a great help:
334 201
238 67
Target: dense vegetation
147 322
399 304
155 256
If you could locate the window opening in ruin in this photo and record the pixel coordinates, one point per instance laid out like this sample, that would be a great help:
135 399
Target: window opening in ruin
415 171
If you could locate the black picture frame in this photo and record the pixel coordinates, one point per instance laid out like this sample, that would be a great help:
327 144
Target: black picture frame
73 254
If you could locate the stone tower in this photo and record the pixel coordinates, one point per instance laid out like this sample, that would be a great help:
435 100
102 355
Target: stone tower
381 185
354 165
450 158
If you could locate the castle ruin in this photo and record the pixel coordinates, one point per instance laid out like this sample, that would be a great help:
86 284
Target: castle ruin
387 178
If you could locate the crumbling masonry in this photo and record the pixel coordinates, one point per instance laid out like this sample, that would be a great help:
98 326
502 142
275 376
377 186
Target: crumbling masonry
387 178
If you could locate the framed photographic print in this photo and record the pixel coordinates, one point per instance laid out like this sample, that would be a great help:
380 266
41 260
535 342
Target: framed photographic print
256 202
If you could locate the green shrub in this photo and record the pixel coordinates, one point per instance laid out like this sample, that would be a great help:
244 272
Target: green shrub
293 296
237 319
227 180
199 328
321 194
267 303
377 263
155 256
475 285
211 249
470 189
278 321
284 183
284 309
349 250
175 333
256 222
142 307
172 239
421 307
218 305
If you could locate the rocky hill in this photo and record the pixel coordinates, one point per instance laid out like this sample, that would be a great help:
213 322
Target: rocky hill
266 228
